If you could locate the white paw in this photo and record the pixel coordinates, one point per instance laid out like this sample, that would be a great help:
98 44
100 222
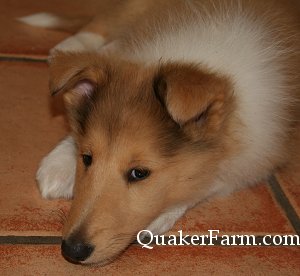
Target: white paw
166 220
80 42
56 174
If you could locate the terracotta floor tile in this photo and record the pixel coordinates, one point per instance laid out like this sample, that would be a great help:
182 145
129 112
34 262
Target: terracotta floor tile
17 39
46 260
252 210
28 131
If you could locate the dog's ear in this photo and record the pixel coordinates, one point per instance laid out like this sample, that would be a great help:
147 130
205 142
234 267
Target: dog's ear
77 77
195 99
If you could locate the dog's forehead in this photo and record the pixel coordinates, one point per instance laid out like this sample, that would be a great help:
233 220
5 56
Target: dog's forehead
127 90
116 114
128 79
128 135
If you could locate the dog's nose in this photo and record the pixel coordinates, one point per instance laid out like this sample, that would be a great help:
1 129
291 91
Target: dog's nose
76 251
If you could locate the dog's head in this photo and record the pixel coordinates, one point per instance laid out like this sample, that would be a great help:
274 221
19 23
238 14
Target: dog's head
149 138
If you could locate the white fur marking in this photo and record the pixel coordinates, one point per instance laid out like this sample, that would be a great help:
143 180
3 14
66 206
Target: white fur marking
81 42
166 220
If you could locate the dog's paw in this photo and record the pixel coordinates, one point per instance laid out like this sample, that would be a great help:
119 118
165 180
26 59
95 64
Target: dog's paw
166 220
56 174
80 42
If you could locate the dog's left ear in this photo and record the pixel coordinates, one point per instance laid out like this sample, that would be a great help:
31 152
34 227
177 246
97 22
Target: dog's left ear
193 97
76 76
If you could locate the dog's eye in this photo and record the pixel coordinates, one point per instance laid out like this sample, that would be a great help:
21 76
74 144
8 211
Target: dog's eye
87 160
137 174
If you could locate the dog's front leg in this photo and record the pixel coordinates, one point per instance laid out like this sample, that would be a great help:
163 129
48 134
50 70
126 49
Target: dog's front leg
56 173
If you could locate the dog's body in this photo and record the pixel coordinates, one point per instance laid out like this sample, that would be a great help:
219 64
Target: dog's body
196 97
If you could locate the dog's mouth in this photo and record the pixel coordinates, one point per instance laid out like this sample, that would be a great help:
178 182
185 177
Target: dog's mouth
106 260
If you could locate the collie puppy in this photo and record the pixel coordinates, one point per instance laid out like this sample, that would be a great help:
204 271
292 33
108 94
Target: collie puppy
169 102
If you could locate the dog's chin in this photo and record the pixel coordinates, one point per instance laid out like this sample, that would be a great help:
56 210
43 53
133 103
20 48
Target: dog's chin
71 260
98 263
92 262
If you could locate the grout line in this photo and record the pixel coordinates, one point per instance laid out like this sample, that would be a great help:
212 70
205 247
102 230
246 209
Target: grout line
285 203
23 59
30 240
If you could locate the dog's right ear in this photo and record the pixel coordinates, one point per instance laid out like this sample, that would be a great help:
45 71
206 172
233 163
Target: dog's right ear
77 77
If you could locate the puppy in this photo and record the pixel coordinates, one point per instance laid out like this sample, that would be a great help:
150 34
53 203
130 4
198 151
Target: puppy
169 102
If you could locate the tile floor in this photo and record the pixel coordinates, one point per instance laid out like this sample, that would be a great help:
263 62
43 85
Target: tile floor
30 125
